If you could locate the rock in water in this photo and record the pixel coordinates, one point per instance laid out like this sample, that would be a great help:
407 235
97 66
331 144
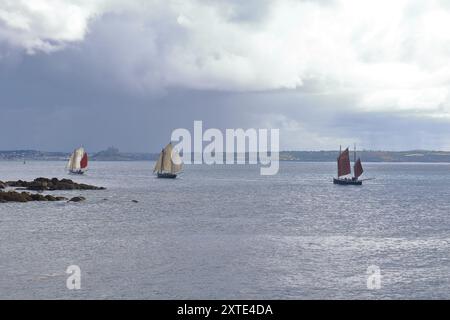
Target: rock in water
77 199
38 197
44 184
41 184
13 196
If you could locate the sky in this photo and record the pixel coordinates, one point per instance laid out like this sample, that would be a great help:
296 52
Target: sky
102 73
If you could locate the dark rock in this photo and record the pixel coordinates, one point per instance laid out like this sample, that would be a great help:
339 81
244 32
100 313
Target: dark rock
18 183
27 196
38 197
42 184
135 201
13 196
37 186
77 199
50 198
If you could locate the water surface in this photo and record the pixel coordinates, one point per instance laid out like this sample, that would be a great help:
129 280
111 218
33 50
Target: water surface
227 232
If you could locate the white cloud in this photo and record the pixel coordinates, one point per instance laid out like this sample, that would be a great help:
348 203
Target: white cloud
45 25
392 55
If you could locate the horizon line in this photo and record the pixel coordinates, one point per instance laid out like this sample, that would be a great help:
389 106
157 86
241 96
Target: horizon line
156 152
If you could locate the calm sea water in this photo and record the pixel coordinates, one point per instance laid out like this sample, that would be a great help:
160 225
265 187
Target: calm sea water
227 232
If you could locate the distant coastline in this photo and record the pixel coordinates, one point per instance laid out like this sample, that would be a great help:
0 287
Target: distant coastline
113 154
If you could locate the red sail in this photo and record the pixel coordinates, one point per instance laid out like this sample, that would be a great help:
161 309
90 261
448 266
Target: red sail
358 168
84 161
344 163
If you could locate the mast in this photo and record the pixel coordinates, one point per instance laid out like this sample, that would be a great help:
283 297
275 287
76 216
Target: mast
340 152
162 161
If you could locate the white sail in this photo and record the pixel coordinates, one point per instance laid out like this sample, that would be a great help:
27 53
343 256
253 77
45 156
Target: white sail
69 164
74 163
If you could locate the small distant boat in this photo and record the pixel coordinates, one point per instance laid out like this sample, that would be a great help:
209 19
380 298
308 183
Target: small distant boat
343 163
169 163
78 161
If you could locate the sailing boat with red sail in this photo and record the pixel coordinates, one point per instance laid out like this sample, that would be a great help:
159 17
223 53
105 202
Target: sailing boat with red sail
343 163
78 161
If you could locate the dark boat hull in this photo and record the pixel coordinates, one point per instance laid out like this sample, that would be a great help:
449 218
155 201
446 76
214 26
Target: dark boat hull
76 172
167 175
347 182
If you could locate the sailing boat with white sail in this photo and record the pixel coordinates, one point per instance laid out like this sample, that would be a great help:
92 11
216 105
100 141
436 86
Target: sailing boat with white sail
169 163
343 163
78 161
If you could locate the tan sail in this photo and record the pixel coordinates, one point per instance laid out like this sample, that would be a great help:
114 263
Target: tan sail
158 165
169 161
167 158
177 164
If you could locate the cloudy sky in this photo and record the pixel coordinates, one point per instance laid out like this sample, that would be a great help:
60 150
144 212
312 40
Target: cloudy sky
128 72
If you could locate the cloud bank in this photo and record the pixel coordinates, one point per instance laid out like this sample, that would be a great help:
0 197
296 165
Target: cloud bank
389 57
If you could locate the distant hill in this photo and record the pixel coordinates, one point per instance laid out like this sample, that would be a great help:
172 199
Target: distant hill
113 154
33 155
369 156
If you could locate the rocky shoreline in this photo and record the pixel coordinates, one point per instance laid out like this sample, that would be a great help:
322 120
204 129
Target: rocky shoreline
45 184
40 185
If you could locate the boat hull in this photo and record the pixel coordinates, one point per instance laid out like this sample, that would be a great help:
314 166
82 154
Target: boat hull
167 175
76 172
347 182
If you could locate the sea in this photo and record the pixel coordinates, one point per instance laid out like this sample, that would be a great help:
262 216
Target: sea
226 232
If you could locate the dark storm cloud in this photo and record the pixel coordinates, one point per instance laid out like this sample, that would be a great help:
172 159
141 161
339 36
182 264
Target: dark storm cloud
46 109
132 76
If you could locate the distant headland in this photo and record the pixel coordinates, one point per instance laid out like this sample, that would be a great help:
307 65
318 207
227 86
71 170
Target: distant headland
110 154
114 154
